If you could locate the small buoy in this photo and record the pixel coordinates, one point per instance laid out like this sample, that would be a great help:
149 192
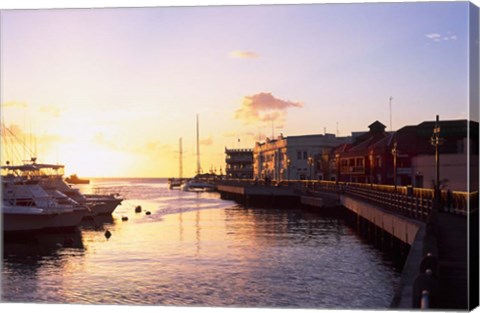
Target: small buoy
108 234
148 213
124 218
138 209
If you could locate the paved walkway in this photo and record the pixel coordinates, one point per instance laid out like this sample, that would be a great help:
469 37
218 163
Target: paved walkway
453 255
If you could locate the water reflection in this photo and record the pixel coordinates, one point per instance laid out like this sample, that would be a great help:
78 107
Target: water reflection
196 249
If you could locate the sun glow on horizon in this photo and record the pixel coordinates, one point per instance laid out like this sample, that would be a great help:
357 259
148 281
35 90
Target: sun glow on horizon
112 96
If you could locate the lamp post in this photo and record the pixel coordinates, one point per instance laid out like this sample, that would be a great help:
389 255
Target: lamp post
394 153
310 163
436 141
371 166
288 168
337 161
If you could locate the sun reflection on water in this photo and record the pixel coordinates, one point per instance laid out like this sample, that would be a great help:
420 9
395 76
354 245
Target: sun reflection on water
196 249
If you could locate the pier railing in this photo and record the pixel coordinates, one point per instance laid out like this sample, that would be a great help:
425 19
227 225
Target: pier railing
407 200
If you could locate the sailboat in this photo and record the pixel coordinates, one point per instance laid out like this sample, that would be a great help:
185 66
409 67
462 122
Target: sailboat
196 184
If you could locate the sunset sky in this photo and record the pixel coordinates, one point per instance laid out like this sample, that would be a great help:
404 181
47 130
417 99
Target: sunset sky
109 92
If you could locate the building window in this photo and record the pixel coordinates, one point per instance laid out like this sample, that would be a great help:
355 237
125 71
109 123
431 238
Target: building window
305 155
299 155
359 162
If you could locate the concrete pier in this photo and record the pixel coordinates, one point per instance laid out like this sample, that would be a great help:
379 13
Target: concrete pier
402 228
264 195
436 241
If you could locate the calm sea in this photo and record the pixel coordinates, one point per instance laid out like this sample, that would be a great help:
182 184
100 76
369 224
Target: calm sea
196 249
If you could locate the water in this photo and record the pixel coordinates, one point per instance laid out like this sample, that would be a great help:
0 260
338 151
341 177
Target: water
196 249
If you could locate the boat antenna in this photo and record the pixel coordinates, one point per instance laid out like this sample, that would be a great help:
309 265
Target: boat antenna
198 149
391 129
181 159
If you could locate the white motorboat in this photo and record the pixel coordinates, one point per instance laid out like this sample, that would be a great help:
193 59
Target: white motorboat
102 204
51 179
26 206
25 218
196 185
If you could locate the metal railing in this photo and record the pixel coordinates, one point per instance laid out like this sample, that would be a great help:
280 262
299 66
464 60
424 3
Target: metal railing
409 201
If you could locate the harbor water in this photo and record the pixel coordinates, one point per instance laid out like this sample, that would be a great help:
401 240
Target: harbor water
196 249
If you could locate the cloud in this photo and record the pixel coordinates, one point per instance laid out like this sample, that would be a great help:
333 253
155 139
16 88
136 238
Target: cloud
263 107
13 131
16 143
21 135
52 110
18 104
238 54
436 37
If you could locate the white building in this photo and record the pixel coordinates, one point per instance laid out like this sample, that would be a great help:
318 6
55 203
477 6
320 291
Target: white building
456 169
292 157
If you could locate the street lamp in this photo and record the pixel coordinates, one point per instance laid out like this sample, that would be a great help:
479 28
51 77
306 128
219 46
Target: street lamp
288 168
436 141
394 153
310 163
371 167
337 161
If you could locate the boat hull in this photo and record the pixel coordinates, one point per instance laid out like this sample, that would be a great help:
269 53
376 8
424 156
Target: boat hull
31 220
25 222
198 187
102 207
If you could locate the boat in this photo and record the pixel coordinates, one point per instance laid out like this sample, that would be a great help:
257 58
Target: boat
96 203
175 183
102 204
17 218
74 179
50 178
198 186
26 206
198 183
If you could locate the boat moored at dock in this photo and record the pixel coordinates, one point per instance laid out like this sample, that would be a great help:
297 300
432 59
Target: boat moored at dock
198 185
26 206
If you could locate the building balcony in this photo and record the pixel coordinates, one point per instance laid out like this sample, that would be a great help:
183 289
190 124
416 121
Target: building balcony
239 160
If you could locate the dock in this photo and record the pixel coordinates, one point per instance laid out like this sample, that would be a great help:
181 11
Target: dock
437 241
259 194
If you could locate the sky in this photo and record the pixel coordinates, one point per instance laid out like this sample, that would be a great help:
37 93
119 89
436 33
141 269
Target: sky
108 92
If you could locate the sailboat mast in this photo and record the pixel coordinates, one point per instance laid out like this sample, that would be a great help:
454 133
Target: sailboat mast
180 174
198 149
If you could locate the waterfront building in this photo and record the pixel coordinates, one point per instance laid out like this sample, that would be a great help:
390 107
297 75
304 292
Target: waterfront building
407 157
293 157
239 163
353 162
458 154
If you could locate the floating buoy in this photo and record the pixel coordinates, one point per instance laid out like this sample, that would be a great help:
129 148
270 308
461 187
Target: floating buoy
124 218
108 234
138 209
148 213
